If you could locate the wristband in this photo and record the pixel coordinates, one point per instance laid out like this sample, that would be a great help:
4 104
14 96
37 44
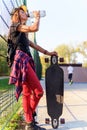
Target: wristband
45 51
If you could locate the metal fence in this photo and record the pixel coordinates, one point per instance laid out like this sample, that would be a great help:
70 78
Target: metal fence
7 107
7 98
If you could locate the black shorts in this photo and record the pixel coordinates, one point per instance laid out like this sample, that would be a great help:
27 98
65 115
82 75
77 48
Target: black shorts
70 76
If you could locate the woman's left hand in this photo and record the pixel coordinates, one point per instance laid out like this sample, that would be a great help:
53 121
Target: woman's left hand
53 53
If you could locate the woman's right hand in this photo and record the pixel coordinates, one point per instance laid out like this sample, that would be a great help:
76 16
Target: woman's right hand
36 14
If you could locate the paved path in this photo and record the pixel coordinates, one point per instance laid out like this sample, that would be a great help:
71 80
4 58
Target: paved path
74 110
4 77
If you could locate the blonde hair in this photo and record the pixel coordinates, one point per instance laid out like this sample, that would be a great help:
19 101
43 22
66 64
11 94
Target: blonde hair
16 17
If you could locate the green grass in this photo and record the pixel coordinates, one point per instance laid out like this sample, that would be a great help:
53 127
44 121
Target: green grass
4 84
5 121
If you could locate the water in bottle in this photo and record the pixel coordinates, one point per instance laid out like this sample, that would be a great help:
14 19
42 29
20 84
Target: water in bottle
42 14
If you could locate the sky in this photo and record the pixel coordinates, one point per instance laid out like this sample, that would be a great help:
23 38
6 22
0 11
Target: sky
65 22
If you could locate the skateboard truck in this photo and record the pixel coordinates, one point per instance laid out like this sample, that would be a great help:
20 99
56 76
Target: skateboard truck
54 122
54 59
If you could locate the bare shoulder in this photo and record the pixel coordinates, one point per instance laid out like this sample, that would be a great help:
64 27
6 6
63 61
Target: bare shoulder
23 28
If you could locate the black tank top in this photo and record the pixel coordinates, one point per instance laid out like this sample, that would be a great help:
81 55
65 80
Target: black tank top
23 43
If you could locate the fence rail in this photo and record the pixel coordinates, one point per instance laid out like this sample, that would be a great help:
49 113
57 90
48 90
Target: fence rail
7 107
7 98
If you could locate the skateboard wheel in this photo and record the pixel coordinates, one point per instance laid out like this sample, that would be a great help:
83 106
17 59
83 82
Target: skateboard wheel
62 121
55 123
47 121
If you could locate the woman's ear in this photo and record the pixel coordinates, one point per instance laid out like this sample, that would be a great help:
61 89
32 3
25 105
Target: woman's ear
15 17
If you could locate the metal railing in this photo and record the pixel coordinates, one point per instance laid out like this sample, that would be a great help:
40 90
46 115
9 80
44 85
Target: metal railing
7 107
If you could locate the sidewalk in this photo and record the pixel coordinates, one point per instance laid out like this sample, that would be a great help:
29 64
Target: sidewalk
4 77
74 109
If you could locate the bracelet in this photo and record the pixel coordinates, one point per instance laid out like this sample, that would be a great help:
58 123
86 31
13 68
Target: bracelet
45 51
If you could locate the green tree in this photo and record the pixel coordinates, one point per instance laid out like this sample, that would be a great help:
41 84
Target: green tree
66 52
3 63
82 50
44 64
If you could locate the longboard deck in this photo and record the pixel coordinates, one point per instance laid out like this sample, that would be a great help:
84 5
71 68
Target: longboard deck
54 90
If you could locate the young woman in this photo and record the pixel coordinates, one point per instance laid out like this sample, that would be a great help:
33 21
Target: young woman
23 74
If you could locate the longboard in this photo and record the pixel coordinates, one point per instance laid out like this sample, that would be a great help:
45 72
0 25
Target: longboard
54 82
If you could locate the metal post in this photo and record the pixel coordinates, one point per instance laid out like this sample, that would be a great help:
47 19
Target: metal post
25 2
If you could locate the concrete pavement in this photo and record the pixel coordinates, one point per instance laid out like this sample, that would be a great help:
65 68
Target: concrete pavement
4 77
74 108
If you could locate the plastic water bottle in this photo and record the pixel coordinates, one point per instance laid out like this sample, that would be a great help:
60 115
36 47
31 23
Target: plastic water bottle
42 14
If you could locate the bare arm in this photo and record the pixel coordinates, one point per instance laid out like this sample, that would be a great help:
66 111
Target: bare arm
32 28
40 49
